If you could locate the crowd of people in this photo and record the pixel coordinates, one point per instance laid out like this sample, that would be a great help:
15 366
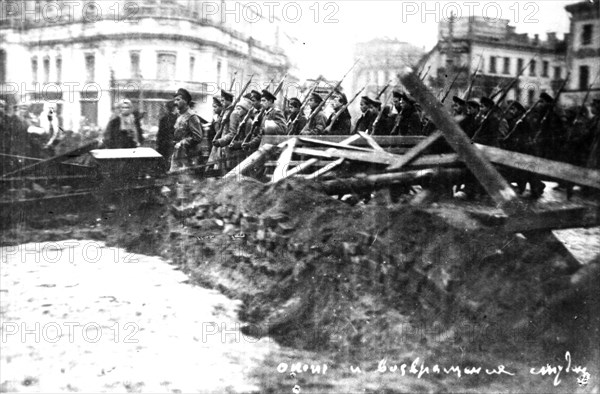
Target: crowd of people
545 129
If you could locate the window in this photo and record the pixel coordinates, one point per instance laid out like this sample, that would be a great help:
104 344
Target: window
584 78
532 68
586 34
34 69
166 66
192 67
59 69
530 97
519 65
89 105
90 67
518 93
506 68
493 64
219 73
557 72
134 60
545 66
46 69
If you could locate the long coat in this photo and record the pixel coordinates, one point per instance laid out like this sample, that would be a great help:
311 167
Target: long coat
115 138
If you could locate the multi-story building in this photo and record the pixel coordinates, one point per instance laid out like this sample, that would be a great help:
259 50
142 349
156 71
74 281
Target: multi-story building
495 49
85 56
381 61
583 52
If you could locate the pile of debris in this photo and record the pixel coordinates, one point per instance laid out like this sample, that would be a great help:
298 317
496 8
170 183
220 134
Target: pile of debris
316 273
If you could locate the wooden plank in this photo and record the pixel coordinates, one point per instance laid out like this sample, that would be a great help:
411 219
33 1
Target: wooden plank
284 161
322 171
547 168
384 141
332 144
256 159
554 219
310 162
368 157
372 143
491 180
62 157
416 151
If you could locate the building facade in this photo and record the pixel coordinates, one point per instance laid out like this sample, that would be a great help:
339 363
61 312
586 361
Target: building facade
583 52
498 53
86 60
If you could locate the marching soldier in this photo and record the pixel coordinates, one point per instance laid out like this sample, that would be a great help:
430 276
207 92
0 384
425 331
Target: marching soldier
187 133
493 126
166 130
368 115
215 124
343 124
458 106
272 123
318 122
550 135
234 156
293 128
470 123
408 121
385 122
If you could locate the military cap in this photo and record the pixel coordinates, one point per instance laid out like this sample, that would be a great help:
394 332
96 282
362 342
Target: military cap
268 95
342 96
294 102
367 100
255 94
248 96
316 97
185 95
404 97
377 104
458 100
473 103
486 101
245 104
217 100
397 94
226 95
546 97
517 105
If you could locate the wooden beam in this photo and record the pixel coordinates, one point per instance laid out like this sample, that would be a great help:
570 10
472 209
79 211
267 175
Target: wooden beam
256 159
371 141
379 181
322 171
491 180
310 162
547 168
552 219
332 144
384 141
284 161
416 151
65 156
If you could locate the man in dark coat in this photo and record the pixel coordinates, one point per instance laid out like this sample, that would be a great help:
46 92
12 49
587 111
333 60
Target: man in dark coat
296 120
550 135
368 115
272 123
493 126
317 122
188 132
407 121
343 124
124 131
166 130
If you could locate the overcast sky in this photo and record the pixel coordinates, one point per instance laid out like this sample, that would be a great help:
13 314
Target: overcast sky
325 46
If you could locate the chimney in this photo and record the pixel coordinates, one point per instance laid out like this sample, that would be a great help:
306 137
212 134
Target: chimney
536 39
551 37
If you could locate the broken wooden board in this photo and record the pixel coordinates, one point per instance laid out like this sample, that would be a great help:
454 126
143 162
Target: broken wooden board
383 141
417 150
284 161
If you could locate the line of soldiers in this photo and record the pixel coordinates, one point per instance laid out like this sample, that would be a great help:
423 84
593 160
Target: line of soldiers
544 130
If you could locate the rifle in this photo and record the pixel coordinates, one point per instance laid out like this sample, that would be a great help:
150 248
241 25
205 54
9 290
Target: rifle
237 100
383 90
551 109
342 109
232 81
472 81
508 86
451 86
585 99
303 106
426 73
322 103
258 118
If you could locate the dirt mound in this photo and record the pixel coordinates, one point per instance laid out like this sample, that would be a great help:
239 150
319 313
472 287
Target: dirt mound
316 273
